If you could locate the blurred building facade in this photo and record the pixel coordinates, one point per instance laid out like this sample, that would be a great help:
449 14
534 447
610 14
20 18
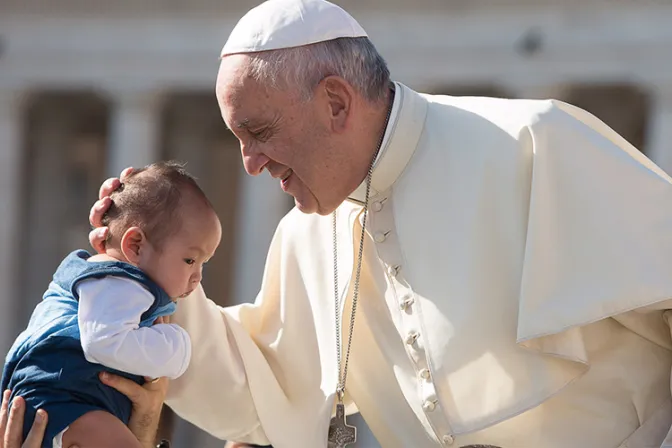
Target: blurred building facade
88 88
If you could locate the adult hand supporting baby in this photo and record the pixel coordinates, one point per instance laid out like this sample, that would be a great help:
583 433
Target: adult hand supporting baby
147 403
98 235
11 425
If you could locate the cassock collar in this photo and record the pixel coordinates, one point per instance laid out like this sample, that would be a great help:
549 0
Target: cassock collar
402 134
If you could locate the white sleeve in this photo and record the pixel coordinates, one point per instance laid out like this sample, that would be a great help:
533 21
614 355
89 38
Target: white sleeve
109 316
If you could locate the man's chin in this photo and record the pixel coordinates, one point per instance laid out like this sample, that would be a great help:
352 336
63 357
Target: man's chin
311 206
324 212
307 208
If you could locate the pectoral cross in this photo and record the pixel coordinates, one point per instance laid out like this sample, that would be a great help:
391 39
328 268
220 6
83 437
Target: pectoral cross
340 433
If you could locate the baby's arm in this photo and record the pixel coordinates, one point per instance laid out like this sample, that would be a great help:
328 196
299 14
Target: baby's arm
109 318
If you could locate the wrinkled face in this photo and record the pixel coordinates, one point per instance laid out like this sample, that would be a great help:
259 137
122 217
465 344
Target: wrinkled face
294 140
178 266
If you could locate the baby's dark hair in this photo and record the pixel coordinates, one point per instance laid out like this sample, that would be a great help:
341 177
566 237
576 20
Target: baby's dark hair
151 198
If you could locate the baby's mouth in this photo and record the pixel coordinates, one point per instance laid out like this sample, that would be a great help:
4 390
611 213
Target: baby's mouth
185 294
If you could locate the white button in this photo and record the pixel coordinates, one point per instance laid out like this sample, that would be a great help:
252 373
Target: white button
424 374
393 270
406 303
428 406
377 206
411 338
380 237
448 439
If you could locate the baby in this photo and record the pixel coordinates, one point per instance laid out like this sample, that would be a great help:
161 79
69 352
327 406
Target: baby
100 312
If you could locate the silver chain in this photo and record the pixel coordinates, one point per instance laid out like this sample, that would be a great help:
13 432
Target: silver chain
343 369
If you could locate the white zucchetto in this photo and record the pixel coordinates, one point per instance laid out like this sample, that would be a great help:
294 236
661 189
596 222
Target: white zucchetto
279 24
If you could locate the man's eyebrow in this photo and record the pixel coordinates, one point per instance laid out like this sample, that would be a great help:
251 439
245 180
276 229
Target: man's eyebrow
244 124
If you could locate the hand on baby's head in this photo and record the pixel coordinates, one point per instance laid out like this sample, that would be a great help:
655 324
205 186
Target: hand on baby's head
162 222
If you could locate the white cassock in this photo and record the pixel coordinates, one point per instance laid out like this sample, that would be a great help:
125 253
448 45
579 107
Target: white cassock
517 262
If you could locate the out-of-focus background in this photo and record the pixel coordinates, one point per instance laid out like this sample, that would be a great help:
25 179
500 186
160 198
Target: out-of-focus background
90 87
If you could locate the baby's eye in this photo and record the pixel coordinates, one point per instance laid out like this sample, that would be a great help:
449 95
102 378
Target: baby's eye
189 261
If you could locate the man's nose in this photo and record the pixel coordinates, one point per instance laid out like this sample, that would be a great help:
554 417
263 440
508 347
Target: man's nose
253 161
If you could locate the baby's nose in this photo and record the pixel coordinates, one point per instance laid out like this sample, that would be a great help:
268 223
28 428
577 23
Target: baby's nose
196 278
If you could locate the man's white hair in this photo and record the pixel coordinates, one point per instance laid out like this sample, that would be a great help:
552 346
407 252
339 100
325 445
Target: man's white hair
302 68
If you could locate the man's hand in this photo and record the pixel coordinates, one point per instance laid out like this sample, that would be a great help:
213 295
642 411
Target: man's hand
147 403
11 425
98 235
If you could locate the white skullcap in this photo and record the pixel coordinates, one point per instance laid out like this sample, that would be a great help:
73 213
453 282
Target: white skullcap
290 23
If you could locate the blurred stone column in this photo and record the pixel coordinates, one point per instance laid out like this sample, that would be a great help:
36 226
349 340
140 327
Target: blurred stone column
261 205
133 130
659 131
10 172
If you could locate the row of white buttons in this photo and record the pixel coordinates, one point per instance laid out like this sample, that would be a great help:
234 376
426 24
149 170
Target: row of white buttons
405 304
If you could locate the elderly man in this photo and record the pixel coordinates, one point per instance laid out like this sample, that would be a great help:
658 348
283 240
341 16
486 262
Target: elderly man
461 271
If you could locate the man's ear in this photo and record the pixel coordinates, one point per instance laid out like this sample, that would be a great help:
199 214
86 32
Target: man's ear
340 97
132 244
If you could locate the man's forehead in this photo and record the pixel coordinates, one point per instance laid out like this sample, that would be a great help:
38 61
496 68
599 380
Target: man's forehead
235 109
243 111
236 118
231 77
244 102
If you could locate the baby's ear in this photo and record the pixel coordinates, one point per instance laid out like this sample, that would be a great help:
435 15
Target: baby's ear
132 243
